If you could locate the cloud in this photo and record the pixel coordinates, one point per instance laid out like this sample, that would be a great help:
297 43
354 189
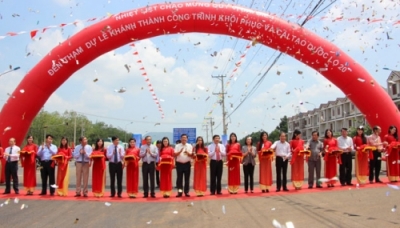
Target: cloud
190 115
65 2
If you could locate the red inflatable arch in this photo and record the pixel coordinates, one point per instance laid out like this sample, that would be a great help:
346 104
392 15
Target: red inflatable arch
161 19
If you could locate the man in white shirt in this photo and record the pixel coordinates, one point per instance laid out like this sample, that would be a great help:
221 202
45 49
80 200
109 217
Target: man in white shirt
148 153
345 143
216 151
11 155
82 154
115 155
183 154
375 164
282 153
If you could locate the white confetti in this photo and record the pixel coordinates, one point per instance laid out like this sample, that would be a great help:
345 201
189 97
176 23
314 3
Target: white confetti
6 202
273 209
223 209
394 162
289 225
6 129
387 193
393 186
77 62
276 224
16 200
22 206
394 208
200 87
323 180
357 186
107 204
22 91
1 205
54 186
192 203
361 80
149 222
175 212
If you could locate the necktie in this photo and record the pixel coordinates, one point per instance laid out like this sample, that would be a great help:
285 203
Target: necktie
9 156
148 157
83 155
115 155
217 152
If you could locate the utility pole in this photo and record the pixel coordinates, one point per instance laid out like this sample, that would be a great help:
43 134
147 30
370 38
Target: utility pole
222 94
211 125
206 125
75 128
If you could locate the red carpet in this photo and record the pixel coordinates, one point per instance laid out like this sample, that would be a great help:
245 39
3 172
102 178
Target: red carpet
225 195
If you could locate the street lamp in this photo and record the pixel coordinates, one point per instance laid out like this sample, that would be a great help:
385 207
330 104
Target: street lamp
14 69
126 126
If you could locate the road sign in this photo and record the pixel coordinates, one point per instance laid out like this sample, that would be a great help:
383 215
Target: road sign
191 133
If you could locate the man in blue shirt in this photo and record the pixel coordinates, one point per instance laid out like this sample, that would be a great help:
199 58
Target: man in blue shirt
82 154
45 152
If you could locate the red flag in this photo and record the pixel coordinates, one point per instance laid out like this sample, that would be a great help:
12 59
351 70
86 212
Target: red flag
62 25
33 33
139 61
12 33
144 74
136 53
397 23
132 45
141 68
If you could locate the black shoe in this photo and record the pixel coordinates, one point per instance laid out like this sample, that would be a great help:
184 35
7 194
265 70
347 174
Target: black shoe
153 196
179 195
17 193
245 192
278 190
42 194
263 191
343 184
85 195
219 193
371 182
119 196
350 184
79 195
378 181
309 187
6 193
145 196
212 193
52 194
165 196
319 186
187 194
285 190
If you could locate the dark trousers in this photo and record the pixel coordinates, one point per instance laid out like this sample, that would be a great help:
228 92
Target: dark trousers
12 171
345 168
183 169
375 165
47 172
148 171
215 175
314 165
115 170
281 168
157 176
248 171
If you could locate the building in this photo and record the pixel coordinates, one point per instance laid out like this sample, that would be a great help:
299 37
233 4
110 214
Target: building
338 114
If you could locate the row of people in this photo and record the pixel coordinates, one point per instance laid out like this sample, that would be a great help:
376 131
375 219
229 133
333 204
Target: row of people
333 151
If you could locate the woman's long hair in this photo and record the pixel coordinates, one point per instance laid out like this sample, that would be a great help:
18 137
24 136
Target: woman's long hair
162 143
202 144
261 140
395 133
129 142
230 140
97 147
326 133
363 138
296 133
66 144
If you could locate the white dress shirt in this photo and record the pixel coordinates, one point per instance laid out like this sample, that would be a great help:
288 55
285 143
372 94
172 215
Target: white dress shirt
82 157
111 156
146 157
282 149
211 151
12 153
182 157
345 143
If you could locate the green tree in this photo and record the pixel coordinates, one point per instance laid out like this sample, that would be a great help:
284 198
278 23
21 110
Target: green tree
283 125
272 136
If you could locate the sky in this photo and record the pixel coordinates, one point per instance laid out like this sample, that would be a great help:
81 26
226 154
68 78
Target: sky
180 66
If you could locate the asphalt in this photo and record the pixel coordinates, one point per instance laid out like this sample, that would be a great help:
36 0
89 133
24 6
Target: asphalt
366 206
